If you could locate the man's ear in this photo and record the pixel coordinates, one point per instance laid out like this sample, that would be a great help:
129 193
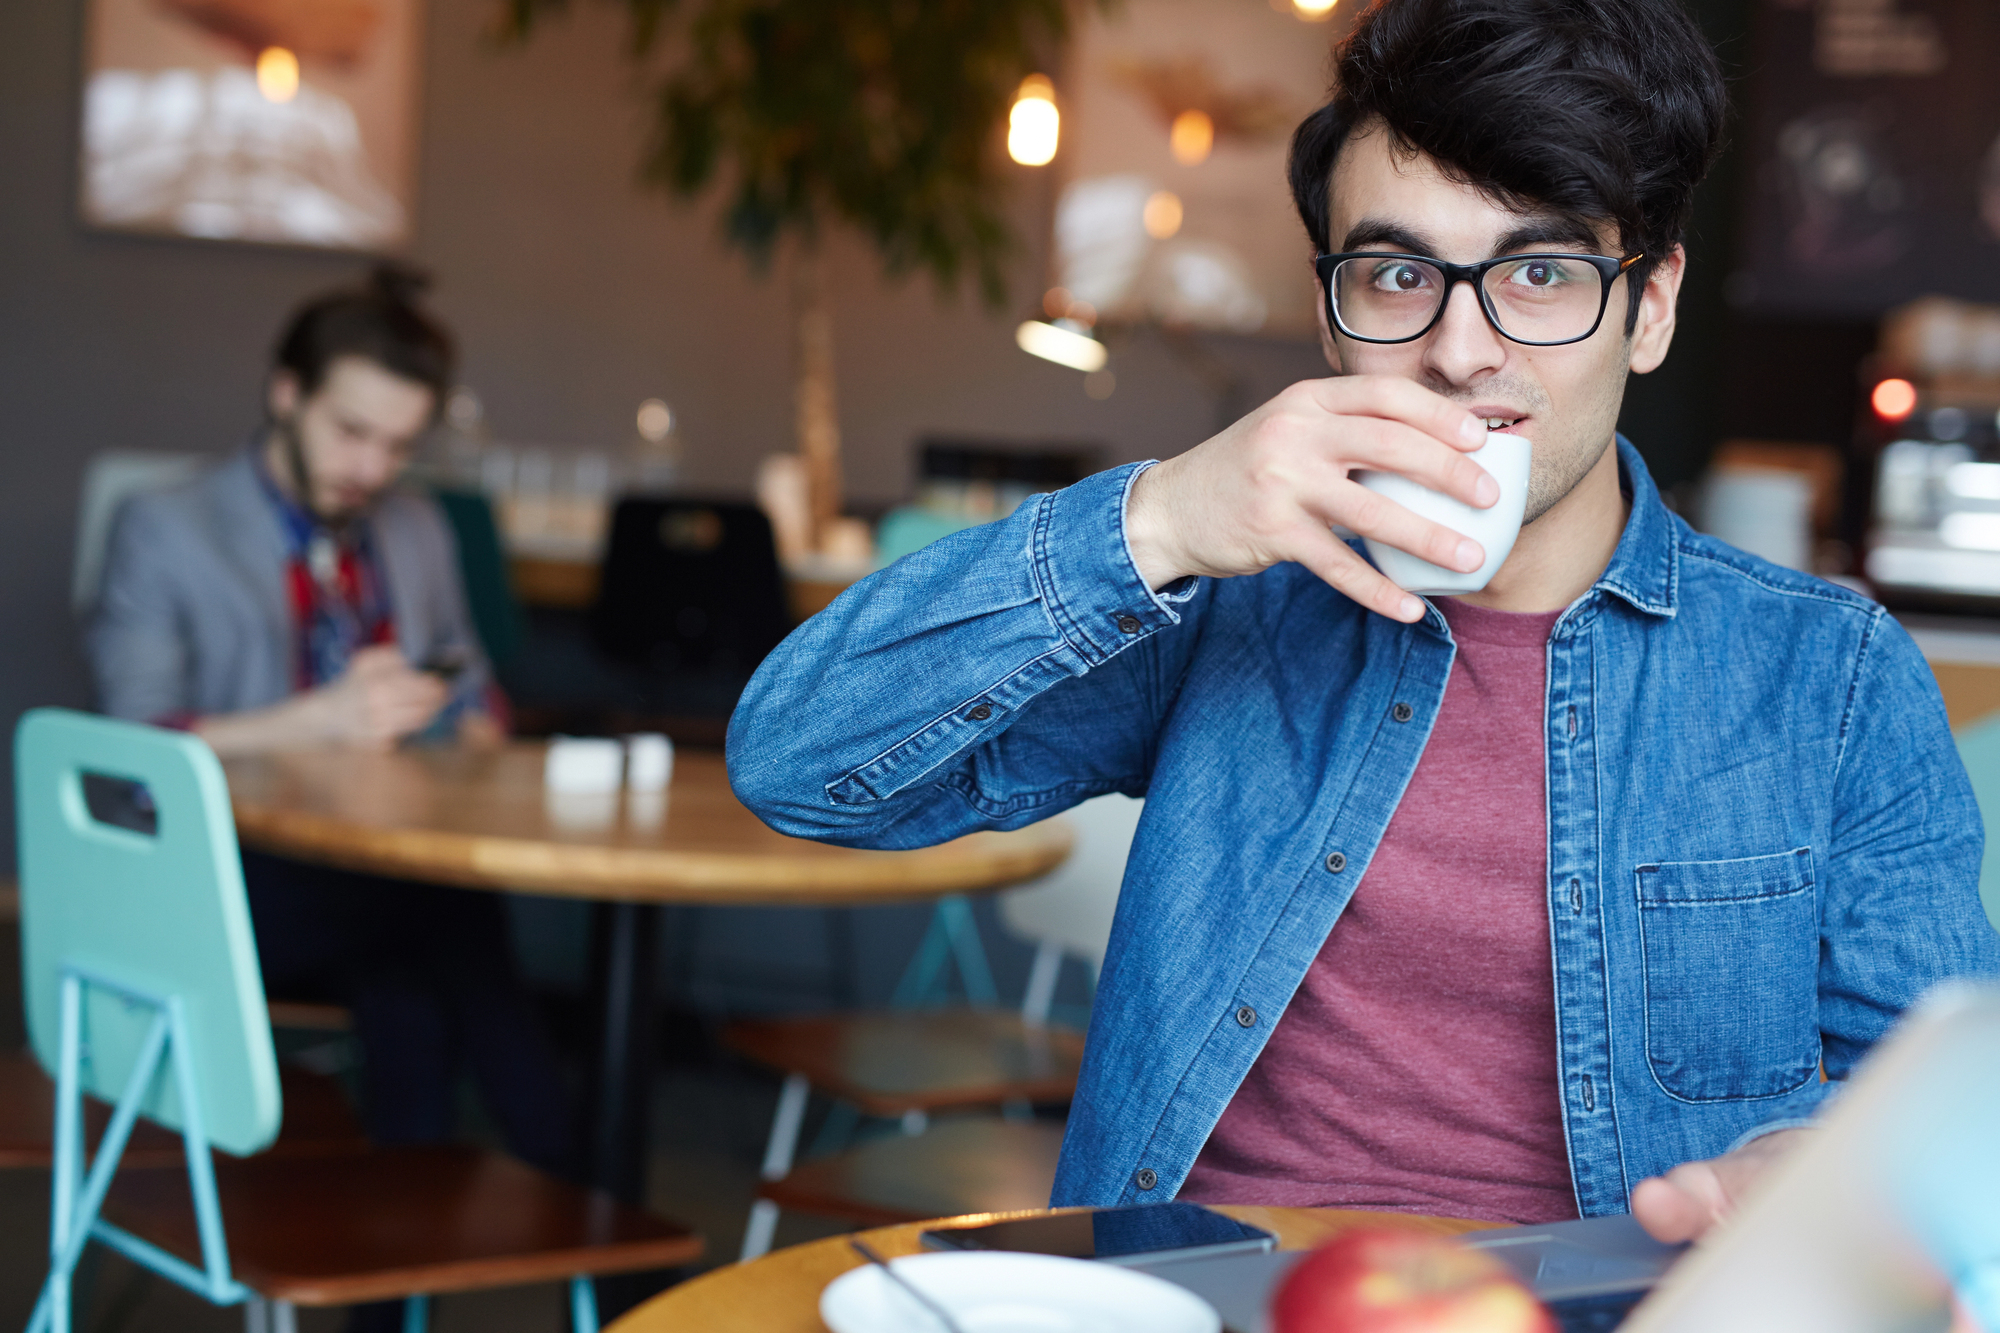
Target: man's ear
1654 333
1327 346
281 395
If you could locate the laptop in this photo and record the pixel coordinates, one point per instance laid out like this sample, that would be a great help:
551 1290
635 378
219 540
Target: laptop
1868 1227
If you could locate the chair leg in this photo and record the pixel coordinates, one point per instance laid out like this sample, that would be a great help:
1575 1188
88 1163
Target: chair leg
1040 995
582 1305
416 1314
256 1315
778 1151
757 1235
967 950
284 1317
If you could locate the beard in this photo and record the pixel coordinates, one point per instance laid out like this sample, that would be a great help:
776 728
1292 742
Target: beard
292 446
1552 478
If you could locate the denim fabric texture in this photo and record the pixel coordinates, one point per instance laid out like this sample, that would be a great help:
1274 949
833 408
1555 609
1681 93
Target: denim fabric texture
1762 845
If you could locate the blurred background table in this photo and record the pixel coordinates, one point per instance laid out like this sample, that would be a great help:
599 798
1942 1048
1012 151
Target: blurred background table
484 820
779 1293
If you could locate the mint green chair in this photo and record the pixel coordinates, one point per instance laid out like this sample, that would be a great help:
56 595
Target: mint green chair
140 975
1979 748
143 989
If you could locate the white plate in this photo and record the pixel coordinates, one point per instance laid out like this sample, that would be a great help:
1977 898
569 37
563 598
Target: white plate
1013 1293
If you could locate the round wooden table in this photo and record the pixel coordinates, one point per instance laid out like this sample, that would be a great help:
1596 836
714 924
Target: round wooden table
779 1293
483 819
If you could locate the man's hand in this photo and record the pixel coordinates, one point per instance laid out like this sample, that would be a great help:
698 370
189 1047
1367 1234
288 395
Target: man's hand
1269 488
1688 1200
378 700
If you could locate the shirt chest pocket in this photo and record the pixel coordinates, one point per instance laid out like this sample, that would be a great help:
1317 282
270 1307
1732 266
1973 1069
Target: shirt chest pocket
1732 957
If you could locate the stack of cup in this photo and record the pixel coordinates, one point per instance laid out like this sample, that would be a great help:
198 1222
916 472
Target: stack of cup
649 767
582 776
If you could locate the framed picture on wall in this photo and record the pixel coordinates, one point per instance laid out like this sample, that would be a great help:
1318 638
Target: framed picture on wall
1178 115
279 121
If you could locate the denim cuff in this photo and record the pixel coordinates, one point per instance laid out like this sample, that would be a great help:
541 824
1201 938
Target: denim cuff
1084 568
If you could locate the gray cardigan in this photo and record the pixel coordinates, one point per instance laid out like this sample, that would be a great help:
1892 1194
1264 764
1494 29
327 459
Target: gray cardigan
193 616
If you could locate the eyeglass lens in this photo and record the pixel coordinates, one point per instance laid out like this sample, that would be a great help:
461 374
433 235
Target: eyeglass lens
1537 298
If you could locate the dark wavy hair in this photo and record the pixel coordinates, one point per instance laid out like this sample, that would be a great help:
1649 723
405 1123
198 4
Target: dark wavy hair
379 321
1603 110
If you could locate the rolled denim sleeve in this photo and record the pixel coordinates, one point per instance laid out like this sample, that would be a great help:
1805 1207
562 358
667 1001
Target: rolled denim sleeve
1900 907
986 681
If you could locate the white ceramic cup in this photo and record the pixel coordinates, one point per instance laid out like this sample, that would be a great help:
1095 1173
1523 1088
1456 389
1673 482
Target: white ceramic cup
1503 455
649 761
583 765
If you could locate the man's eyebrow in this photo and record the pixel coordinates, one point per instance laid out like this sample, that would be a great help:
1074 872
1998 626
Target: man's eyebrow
1565 231
1379 231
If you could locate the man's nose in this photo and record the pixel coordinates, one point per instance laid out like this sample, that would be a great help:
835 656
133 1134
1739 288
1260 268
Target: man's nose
377 468
1464 344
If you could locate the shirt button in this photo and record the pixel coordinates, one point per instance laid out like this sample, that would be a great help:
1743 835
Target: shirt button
1402 712
1246 1017
979 713
1145 1178
1128 623
1336 862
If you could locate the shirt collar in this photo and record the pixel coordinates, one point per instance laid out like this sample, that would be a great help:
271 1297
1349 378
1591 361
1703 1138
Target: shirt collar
1645 569
1645 566
297 521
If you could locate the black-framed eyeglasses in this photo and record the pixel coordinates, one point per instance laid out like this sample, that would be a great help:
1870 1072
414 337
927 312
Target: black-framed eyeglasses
1540 300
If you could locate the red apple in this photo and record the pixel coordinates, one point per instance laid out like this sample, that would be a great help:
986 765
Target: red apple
1404 1282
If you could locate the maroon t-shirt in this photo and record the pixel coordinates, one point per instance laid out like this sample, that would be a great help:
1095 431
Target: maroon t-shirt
1416 1067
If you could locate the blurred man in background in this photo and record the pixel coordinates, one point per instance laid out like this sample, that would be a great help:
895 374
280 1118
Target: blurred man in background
293 598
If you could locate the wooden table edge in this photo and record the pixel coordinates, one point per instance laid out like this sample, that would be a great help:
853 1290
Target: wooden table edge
600 873
704 1302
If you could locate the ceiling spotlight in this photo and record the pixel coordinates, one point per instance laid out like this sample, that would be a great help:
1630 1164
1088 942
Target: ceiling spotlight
1063 341
1034 125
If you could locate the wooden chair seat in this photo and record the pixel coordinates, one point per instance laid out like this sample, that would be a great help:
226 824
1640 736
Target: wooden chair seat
890 1063
317 1121
398 1222
979 1164
310 1016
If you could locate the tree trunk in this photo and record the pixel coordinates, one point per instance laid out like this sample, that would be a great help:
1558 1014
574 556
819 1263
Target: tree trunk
818 420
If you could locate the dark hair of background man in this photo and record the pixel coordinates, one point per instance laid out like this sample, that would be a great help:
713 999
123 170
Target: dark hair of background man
380 322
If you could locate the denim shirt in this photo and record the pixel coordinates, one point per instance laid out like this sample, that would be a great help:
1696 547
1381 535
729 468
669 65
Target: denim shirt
1761 843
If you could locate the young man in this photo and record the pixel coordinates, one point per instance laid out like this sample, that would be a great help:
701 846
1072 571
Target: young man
289 599
1495 906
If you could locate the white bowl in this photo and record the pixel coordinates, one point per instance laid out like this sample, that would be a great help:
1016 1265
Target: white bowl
1013 1293
1503 455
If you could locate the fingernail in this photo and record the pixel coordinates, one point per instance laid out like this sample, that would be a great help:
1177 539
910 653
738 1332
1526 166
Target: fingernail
1410 608
1487 491
1472 430
1470 557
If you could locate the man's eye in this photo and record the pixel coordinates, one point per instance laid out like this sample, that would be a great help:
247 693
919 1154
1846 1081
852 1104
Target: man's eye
1542 273
1399 278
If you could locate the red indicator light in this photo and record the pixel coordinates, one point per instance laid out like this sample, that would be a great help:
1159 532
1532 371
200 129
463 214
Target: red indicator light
1894 399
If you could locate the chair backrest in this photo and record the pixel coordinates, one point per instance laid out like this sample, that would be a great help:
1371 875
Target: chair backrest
112 478
129 870
690 584
482 565
1071 907
1979 748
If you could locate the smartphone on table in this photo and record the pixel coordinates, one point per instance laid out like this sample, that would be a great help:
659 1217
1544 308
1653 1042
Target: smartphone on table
1141 1233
